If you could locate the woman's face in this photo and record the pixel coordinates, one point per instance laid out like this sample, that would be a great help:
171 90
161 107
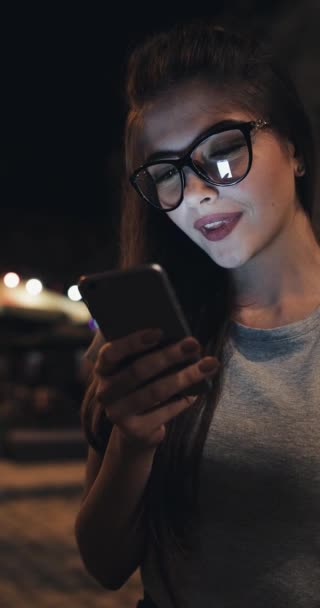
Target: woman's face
265 199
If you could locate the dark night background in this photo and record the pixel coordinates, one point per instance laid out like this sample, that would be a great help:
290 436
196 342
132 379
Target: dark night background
62 120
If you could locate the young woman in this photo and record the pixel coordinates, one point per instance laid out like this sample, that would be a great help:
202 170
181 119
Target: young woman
217 499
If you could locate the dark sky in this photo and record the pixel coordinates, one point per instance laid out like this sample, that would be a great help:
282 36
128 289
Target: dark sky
61 84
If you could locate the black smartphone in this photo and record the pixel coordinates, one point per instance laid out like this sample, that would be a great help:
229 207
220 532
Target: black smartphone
124 301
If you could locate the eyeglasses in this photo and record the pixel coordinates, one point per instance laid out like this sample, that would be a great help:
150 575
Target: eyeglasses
221 157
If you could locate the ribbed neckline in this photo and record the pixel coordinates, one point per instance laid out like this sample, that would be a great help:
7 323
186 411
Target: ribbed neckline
284 332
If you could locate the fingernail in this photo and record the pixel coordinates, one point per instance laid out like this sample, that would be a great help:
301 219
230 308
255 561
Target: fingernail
190 346
208 365
151 336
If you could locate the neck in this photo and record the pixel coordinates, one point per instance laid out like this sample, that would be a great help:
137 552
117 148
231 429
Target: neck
284 277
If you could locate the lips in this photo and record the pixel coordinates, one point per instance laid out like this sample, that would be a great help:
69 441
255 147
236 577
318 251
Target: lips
216 217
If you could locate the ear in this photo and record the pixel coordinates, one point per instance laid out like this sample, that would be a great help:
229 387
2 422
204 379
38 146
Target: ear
298 163
299 167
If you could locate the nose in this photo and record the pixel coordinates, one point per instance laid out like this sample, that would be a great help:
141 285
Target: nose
197 190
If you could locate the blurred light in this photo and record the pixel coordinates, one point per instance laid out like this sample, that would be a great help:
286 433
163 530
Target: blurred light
74 293
34 287
11 279
93 324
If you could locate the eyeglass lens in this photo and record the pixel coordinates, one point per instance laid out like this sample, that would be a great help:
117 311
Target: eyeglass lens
222 157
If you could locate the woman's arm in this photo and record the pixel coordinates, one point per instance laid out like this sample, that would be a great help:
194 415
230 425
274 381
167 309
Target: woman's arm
109 528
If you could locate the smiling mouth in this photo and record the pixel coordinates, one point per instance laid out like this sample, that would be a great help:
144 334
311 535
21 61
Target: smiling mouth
219 229
216 217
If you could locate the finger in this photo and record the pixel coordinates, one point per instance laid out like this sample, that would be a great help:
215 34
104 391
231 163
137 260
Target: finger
162 390
145 427
147 367
113 353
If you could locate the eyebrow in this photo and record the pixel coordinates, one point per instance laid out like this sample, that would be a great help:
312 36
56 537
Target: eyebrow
163 154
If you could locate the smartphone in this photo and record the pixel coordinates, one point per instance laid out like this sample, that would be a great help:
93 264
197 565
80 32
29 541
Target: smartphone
124 301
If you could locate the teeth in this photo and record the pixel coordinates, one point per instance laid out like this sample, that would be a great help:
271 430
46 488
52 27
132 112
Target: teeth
215 224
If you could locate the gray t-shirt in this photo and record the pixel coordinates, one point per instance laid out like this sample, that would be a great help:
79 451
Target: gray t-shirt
258 542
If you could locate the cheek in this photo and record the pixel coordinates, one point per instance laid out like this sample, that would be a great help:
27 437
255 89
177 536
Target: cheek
177 217
269 185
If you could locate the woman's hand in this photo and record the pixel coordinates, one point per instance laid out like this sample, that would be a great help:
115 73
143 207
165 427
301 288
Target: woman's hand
139 410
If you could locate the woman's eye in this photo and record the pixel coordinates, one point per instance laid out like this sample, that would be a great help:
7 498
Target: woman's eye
227 152
165 176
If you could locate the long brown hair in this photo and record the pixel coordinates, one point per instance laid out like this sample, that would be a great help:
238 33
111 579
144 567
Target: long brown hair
247 73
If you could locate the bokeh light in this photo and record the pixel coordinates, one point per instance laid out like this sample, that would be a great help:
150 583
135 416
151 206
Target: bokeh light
93 324
34 287
74 293
11 279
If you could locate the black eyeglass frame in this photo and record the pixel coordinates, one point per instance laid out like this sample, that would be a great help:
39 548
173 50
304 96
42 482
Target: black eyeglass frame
186 160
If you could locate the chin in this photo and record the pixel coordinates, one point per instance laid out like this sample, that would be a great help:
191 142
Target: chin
230 262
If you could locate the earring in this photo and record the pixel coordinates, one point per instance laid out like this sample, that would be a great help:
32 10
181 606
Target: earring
300 170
